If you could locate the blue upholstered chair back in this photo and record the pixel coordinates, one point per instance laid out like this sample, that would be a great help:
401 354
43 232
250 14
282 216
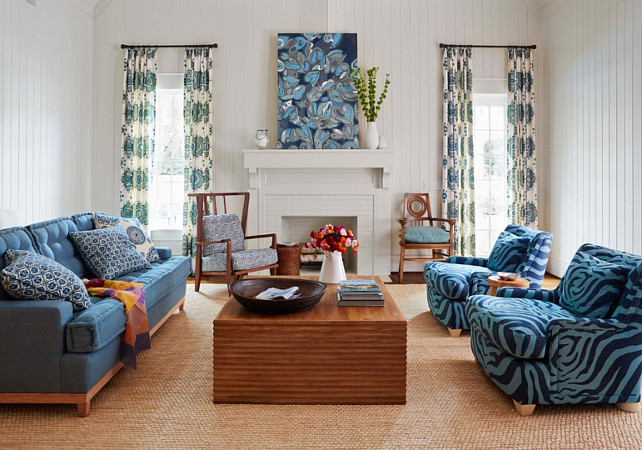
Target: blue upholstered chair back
533 266
629 307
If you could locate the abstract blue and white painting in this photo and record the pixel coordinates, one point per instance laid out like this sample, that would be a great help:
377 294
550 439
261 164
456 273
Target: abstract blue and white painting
317 106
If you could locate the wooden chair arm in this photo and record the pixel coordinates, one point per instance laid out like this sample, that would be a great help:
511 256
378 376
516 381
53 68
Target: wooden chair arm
222 241
450 221
267 235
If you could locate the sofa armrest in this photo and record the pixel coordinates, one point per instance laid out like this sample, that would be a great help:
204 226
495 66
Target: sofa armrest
470 261
164 252
533 294
32 341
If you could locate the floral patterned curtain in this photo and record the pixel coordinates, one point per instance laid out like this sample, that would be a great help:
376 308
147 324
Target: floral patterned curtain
458 196
139 114
197 97
521 155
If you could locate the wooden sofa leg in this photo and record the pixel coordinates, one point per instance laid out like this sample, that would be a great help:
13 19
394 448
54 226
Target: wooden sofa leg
524 410
83 409
454 332
629 407
182 305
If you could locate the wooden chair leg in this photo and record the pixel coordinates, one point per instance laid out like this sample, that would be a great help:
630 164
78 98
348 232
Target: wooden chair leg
197 280
524 410
454 332
273 271
629 407
401 263
83 409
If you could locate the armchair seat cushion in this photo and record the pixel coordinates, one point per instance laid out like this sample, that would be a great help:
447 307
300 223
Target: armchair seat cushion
452 280
243 260
515 325
426 235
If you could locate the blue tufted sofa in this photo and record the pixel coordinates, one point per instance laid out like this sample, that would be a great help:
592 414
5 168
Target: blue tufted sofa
48 353
450 283
538 350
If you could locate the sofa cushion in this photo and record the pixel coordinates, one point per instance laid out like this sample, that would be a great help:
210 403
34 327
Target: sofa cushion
96 327
16 238
592 287
243 260
108 252
52 240
426 235
219 227
84 221
164 276
134 231
508 252
515 325
452 280
30 276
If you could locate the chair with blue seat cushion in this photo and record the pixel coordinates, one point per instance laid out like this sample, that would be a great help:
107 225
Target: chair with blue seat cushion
517 249
418 231
220 240
578 343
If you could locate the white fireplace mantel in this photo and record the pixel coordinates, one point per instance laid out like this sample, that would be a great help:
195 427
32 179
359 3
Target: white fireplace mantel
255 160
299 185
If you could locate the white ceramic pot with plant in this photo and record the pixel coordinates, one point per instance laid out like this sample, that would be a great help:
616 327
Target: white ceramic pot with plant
370 105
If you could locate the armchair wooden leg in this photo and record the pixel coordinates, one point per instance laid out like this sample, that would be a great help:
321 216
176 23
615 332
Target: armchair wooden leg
197 280
273 271
629 407
454 332
401 263
524 410
83 409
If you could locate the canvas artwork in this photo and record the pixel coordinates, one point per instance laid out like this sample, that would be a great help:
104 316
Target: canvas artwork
317 98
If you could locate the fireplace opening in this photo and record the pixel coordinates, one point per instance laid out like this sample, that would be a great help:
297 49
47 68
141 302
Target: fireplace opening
296 229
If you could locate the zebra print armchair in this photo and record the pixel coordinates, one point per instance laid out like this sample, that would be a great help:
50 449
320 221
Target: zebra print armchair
450 283
579 343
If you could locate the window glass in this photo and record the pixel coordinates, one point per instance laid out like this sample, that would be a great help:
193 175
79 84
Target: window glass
490 169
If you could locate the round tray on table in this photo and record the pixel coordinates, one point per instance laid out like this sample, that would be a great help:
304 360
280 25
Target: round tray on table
245 291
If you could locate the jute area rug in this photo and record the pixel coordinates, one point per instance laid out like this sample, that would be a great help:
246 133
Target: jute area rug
167 402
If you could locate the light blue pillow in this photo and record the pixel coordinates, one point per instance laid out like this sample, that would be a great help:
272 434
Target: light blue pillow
508 252
134 231
108 252
592 287
29 276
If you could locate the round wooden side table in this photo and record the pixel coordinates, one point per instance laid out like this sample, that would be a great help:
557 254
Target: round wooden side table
496 282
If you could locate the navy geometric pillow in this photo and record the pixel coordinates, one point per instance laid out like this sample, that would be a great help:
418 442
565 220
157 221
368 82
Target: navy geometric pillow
134 230
508 252
222 226
108 252
592 287
29 276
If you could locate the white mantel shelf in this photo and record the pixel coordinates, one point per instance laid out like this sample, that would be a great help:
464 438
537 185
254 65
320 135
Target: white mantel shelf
255 160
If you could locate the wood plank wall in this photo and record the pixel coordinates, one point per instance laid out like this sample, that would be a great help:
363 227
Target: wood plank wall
594 75
45 108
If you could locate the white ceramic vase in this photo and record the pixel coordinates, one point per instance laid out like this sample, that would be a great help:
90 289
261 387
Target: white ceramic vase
372 135
332 270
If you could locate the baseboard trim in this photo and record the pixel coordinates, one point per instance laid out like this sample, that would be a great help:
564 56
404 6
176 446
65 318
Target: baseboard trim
557 266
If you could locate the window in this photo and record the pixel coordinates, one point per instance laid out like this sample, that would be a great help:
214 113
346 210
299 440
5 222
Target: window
167 188
490 169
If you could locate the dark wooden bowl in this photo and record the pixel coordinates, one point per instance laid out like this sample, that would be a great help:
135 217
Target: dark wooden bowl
244 292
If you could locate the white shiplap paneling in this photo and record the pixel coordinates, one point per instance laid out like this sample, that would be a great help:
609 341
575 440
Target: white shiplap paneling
400 36
45 98
593 54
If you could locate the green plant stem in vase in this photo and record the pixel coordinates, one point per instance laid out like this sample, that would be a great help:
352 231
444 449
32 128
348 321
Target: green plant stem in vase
367 92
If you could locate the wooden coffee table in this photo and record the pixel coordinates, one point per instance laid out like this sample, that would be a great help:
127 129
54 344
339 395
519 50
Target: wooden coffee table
326 355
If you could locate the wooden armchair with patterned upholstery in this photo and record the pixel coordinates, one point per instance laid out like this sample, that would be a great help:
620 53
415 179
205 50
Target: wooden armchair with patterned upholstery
419 233
220 240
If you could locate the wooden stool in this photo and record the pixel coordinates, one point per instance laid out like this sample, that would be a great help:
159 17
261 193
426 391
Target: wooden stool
496 282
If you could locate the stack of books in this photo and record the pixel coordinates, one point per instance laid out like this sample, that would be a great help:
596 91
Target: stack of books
359 293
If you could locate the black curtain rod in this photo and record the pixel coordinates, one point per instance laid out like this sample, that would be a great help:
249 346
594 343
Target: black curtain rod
169 46
533 47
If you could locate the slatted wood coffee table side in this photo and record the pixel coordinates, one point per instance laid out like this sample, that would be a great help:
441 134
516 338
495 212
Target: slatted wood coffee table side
328 355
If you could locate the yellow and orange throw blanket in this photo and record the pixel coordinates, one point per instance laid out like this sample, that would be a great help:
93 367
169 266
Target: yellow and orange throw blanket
132 295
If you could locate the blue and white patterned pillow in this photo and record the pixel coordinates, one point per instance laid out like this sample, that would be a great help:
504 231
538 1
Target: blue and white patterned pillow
29 276
108 252
592 287
508 252
134 230
219 227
